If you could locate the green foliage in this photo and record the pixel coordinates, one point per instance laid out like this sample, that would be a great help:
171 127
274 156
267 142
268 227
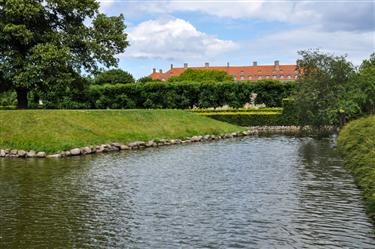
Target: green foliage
114 76
46 43
260 117
7 99
250 119
57 130
321 89
73 96
147 79
185 95
356 142
202 76
237 110
361 91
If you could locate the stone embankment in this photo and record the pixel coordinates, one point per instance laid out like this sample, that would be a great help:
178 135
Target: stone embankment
103 148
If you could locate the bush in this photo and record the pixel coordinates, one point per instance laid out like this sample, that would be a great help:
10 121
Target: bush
356 143
185 95
8 99
252 119
202 76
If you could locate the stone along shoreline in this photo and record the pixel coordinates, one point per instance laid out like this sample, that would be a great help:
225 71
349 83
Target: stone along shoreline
115 146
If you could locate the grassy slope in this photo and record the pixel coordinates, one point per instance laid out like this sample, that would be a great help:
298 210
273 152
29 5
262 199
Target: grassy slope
56 130
356 143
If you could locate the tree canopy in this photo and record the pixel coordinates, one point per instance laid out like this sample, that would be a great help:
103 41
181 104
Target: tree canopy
44 43
114 76
321 88
202 76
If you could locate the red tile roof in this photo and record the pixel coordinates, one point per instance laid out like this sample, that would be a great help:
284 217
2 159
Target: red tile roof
281 72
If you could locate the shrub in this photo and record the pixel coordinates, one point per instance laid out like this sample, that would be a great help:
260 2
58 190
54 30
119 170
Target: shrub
356 143
252 119
185 95
202 75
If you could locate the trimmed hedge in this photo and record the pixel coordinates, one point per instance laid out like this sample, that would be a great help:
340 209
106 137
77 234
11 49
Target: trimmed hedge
356 143
185 95
252 119
238 110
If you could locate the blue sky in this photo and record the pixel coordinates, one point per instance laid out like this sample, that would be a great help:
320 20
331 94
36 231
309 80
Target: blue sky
164 32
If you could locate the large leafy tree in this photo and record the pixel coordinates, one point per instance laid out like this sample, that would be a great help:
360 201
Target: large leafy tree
44 43
321 89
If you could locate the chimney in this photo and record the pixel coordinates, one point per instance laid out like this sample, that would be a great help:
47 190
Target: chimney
171 66
227 64
255 63
160 71
185 65
206 64
154 70
277 63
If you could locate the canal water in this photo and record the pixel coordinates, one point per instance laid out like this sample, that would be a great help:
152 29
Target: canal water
256 192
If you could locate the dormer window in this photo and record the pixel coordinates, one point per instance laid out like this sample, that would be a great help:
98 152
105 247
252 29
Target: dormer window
267 76
281 76
289 77
234 77
242 77
259 77
250 77
274 76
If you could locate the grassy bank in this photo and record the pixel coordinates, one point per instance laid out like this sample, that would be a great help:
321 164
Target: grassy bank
56 130
356 143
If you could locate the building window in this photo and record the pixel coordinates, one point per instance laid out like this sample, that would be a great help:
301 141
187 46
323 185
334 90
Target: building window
259 77
274 76
267 76
250 77
234 77
163 78
289 77
242 77
281 76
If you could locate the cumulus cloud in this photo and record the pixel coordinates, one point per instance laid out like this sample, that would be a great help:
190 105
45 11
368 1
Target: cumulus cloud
326 15
173 39
287 43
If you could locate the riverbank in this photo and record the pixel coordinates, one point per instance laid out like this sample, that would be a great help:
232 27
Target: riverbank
356 142
51 131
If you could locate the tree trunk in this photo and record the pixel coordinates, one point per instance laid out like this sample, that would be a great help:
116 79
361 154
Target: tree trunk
22 102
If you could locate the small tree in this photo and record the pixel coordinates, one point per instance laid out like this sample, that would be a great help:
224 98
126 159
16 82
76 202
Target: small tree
114 76
363 86
321 88
44 43
202 76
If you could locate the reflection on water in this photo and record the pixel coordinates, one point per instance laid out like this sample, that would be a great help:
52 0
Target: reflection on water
270 192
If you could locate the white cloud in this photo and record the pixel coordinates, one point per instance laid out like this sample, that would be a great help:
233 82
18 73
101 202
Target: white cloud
106 3
173 39
332 15
286 43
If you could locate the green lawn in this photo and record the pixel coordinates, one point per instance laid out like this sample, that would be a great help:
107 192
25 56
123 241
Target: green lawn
356 143
57 130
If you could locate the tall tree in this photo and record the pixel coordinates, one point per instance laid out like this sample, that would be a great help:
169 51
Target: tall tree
49 42
321 89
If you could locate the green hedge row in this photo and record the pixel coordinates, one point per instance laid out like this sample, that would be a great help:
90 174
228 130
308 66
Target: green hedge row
184 95
238 110
253 119
356 143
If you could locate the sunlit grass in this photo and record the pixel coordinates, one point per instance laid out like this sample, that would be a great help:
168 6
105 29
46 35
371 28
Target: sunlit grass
57 130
